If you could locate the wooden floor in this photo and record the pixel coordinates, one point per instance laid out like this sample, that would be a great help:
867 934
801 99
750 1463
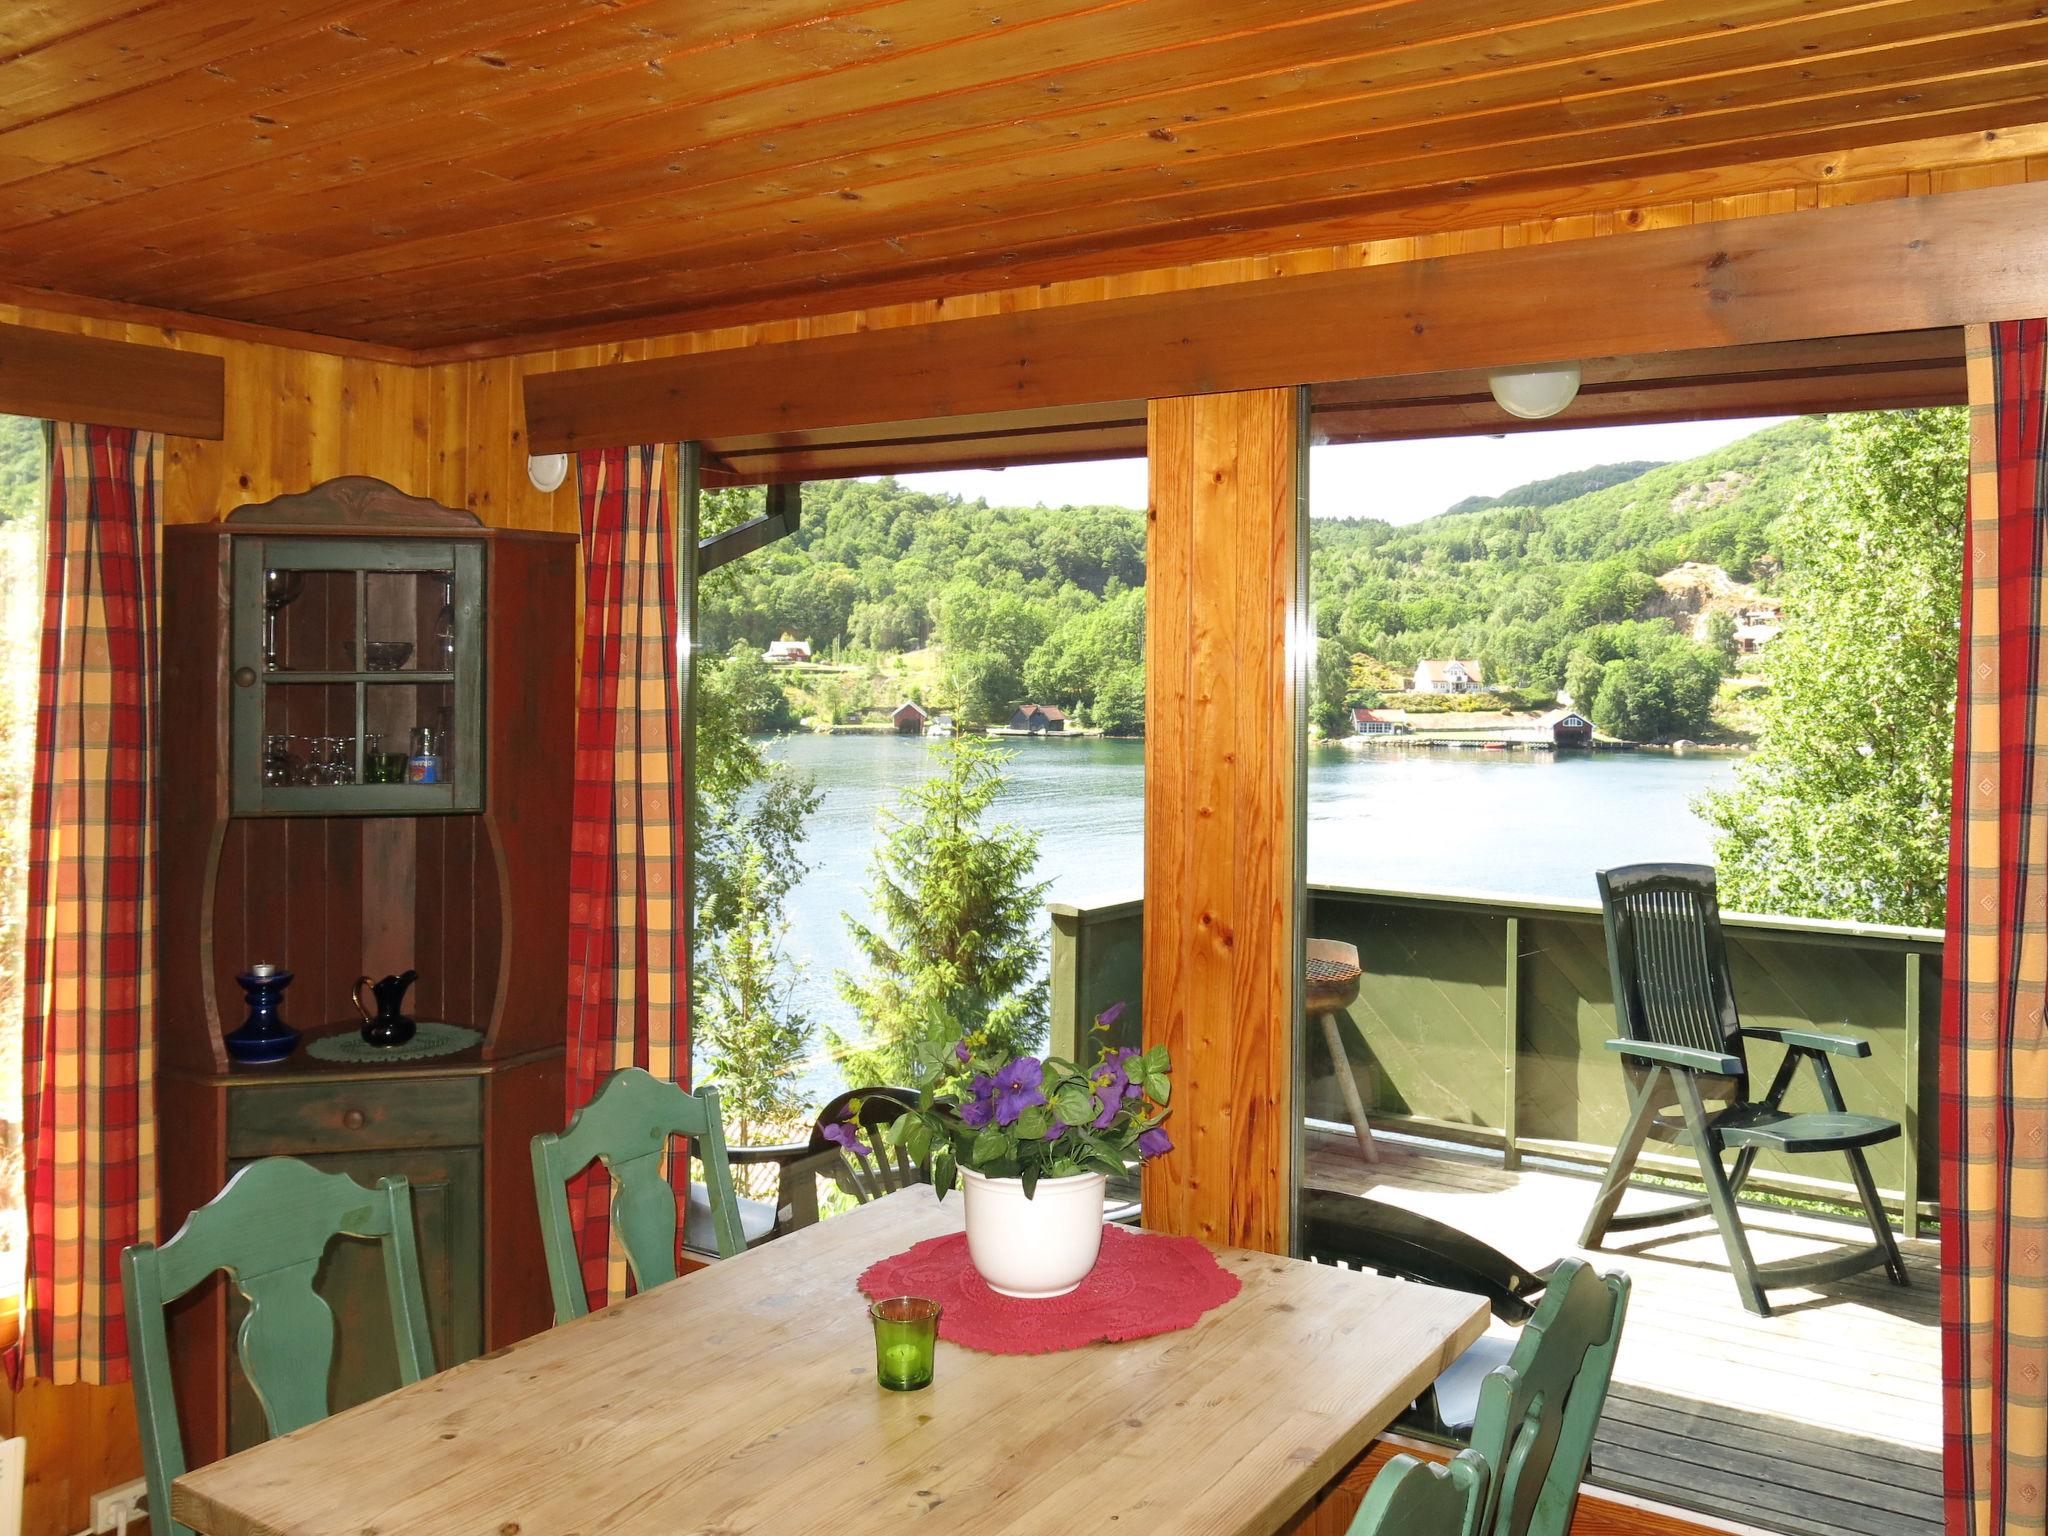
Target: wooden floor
1824 1418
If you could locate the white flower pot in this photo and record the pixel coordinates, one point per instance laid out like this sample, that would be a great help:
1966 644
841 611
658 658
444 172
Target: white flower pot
1034 1248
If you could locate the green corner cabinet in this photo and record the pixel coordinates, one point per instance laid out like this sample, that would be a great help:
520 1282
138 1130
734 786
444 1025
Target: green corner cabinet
315 649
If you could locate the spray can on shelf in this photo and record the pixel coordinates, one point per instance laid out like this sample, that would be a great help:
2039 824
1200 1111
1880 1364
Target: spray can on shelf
424 765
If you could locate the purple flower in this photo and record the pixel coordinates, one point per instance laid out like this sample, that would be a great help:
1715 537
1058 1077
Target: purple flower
981 1109
1111 1101
1018 1086
1059 1129
1109 1015
1153 1142
961 1053
845 1135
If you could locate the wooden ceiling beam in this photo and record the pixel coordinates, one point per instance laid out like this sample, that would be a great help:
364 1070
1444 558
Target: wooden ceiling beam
63 377
1888 371
1624 405
1909 264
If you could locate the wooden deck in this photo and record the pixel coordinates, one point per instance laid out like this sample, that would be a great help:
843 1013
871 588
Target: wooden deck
1823 1420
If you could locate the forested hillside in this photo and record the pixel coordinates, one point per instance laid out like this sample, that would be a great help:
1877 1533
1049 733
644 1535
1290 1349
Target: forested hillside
21 467
1047 603
1568 486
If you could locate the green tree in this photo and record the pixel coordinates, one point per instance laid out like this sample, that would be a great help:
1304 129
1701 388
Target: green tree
753 692
1582 679
983 684
751 1033
1633 702
956 934
1721 634
1120 703
1329 688
1844 810
747 809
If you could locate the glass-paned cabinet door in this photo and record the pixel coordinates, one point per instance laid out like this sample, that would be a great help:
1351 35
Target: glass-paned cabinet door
357 676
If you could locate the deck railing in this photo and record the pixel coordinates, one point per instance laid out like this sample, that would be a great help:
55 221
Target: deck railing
1483 1019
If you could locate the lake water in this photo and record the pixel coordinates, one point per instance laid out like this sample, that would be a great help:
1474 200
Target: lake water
1497 823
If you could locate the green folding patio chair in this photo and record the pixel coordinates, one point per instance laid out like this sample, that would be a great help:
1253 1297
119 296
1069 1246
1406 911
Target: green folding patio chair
627 1126
269 1229
1683 1043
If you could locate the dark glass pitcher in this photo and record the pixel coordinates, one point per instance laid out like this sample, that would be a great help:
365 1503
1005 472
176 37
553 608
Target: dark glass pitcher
388 1025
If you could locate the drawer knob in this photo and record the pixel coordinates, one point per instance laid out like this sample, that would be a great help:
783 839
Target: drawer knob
245 677
352 1119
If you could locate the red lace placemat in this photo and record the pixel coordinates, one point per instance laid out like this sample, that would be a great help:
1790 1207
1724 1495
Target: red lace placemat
1143 1284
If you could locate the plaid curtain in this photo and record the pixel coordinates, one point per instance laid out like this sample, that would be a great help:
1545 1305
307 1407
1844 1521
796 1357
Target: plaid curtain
628 955
1994 1055
89 1047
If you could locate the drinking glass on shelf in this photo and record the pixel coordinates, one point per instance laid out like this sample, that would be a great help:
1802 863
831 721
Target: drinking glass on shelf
341 761
280 768
306 772
280 590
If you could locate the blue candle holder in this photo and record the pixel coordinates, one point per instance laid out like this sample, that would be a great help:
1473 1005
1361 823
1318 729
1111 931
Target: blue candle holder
263 1037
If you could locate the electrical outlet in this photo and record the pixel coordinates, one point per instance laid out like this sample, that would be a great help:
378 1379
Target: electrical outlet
109 1504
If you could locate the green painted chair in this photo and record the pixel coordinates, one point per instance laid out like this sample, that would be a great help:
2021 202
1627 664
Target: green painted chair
1683 1043
627 1126
1533 1438
269 1229
1419 1498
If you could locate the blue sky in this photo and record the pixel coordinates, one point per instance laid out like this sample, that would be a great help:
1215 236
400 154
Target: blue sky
1401 482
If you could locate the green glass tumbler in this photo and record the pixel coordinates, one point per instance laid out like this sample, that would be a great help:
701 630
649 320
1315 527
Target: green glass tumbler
906 1338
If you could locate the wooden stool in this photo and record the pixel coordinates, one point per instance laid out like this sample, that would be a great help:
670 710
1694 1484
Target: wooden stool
1333 973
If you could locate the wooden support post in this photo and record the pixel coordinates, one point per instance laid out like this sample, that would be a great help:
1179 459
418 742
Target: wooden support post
1226 659
1511 1045
1909 1202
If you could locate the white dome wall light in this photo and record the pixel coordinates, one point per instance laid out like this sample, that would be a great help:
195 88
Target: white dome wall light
1535 394
547 471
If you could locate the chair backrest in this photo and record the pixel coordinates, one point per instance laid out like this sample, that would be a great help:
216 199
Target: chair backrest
269 1229
1668 958
1538 1412
627 1126
882 1169
1416 1498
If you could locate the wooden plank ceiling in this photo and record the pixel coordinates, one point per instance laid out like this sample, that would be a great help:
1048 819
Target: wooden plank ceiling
433 173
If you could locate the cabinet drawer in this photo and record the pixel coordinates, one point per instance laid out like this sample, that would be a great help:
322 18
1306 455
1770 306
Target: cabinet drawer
353 1114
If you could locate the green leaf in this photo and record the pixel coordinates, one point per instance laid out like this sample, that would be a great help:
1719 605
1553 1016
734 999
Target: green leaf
943 1174
1034 1123
900 1128
988 1146
1158 1088
1075 1104
919 1143
1029 1179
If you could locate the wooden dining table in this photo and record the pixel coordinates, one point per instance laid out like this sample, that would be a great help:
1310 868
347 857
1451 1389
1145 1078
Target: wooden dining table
742 1398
